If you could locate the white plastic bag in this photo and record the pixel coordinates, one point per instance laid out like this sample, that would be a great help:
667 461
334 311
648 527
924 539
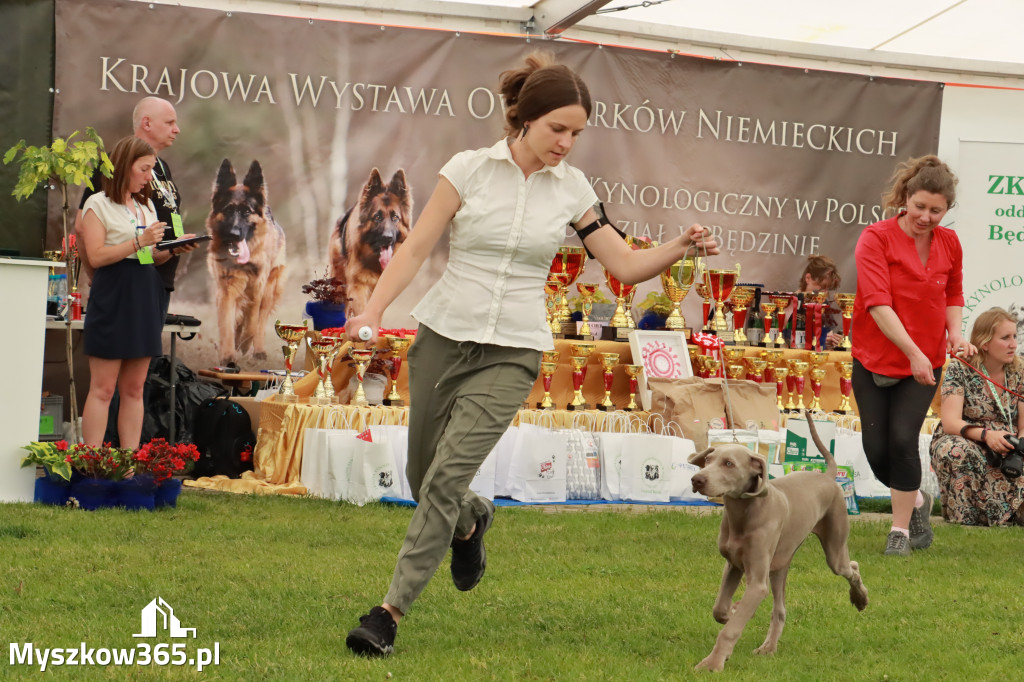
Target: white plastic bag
538 468
646 467
372 472
397 436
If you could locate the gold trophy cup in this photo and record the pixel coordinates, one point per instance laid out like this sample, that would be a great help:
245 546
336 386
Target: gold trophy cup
569 260
608 362
845 303
362 357
323 352
741 298
768 310
780 386
781 301
579 366
798 368
633 373
733 362
720 284
291 334
700 285
817 374
676 282
397 345
845 386
587 291
755 369
548 357
547 370
552 288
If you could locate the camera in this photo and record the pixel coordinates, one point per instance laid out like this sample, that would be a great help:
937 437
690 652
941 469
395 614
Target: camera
1013 463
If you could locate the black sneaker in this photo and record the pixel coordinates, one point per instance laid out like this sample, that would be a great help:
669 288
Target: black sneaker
469 559
375 635
921 534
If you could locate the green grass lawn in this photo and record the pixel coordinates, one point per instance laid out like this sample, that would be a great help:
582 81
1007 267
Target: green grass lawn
607 594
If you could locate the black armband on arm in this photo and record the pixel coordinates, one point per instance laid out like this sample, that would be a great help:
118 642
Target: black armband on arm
587 230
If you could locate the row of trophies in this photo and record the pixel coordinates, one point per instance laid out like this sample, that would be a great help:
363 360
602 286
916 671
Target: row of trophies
789 375
581 351
715 286
325 350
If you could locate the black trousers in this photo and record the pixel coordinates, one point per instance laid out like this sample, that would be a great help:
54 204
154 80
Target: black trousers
891 420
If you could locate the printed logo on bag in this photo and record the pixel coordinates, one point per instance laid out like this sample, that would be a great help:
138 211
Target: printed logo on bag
384 479
158 620
652 472
547 469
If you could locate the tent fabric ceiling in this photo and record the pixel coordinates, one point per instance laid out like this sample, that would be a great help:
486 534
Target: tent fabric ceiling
928 30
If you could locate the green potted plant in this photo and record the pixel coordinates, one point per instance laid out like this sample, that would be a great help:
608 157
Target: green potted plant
54 487
62 163
327 307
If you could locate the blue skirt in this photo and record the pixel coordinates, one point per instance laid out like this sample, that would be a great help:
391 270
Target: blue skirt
124 317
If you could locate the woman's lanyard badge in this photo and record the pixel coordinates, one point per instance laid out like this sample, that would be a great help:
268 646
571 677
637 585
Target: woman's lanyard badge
1004 409
145 254
170 201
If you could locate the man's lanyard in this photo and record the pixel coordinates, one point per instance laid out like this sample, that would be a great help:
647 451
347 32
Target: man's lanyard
164 189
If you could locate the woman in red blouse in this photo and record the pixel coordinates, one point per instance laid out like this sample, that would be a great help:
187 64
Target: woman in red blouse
908 317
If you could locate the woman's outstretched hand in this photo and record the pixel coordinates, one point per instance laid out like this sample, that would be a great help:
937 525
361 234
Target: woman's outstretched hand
701 238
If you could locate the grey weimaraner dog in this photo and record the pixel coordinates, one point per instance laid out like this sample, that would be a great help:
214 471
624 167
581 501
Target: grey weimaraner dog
763 524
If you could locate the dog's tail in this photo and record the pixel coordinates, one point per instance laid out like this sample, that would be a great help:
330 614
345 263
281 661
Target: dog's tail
830 462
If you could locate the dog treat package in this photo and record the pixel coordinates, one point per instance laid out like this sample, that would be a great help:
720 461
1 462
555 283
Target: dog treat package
844 477
770 444
695 404
753 405
747 439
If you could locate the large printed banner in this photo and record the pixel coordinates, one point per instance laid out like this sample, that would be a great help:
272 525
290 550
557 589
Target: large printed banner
990 224
782 163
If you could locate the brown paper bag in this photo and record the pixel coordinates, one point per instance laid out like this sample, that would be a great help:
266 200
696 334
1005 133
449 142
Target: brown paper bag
693 403
753 405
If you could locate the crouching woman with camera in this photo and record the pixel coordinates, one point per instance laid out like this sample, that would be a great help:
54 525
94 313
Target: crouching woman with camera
976 451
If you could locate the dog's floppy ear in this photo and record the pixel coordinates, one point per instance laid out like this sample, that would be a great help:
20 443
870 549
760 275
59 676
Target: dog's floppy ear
698 458
758 478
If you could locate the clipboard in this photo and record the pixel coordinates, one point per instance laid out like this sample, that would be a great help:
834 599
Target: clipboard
175 243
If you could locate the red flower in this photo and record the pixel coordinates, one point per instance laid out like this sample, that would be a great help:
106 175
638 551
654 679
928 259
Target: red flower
61 445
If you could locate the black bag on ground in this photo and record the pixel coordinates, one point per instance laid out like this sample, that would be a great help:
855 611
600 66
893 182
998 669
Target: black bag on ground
222 432
189 393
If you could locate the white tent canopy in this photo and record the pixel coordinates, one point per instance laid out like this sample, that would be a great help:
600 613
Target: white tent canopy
965 41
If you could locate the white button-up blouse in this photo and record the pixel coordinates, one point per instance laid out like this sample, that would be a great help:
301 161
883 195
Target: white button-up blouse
503 238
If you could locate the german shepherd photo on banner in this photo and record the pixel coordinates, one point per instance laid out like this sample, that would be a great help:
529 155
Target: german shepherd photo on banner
364 240
246 260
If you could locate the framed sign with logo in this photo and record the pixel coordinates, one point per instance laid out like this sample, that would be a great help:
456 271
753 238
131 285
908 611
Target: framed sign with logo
662 354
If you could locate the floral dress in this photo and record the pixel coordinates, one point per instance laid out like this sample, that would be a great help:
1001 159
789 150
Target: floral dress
972 492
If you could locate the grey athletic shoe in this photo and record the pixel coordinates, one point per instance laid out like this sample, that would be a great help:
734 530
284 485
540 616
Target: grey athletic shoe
897 544
921 534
